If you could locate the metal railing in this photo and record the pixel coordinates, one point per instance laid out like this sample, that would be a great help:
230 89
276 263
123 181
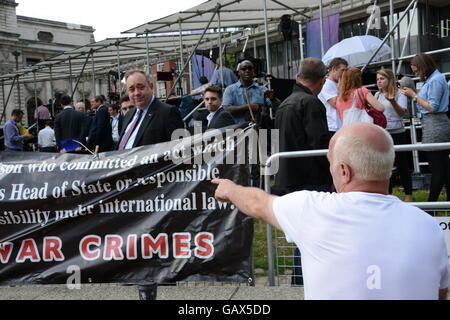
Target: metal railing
202 104
286 250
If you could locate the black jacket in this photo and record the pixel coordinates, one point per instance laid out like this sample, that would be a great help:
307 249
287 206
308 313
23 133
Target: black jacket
302 122
222 118
101 132
157 127
70 124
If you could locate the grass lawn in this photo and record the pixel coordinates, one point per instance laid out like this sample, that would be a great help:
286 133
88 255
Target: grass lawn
260 237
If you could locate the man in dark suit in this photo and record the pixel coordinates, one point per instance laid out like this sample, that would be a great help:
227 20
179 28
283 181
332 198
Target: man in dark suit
69 124
100 135
152 121
218 117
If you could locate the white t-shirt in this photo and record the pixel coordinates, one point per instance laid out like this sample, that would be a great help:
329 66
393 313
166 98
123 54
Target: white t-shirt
364 246
394 121
329 91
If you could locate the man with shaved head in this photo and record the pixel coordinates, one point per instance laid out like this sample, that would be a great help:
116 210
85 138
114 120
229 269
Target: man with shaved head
359 243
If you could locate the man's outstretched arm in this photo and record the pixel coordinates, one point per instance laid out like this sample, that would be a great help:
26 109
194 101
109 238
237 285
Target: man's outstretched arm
251 201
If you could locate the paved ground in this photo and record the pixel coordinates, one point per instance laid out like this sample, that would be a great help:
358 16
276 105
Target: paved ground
182 292
185 292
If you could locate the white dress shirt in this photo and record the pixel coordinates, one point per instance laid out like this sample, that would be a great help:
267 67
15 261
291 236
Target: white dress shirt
130 142
211 115
46 138
115 128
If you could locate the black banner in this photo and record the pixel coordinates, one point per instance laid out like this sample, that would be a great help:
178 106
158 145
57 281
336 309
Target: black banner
124 217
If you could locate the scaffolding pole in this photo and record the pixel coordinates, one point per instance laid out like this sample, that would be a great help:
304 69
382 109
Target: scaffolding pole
16 55
52 93
70 77
266 35
407 38
94 90
193 52
389 35
35 98
391 8
300 36
268 226
7 100
190 77
322 45
148 54
119 80
181 55
19 93
181 44
220 50
3 94
81 74
413 132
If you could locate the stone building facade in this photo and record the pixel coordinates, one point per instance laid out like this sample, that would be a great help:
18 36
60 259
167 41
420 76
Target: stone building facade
25 41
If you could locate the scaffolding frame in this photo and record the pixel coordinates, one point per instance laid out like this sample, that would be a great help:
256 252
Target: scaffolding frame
185 22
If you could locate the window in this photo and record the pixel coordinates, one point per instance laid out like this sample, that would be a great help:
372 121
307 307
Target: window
31 62
160 67
415 24
161 89
45 36
445 28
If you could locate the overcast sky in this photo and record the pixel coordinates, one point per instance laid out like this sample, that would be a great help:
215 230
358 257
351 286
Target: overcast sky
108 18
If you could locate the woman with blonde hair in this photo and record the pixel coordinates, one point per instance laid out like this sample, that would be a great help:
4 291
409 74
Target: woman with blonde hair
351 86
396 106
432 102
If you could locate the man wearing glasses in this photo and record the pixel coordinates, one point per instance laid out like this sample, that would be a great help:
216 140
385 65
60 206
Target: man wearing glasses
235 96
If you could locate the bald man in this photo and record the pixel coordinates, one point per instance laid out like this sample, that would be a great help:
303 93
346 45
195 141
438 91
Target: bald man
80 107
360 243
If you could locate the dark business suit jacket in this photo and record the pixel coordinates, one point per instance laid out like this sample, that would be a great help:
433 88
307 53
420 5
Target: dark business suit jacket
222 118
121 117
101 131
86 127
69 124
157 127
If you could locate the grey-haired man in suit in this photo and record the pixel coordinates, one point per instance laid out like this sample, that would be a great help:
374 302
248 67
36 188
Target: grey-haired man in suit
152 121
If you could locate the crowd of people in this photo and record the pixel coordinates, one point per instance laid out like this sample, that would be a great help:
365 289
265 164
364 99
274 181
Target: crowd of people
332 230
319 106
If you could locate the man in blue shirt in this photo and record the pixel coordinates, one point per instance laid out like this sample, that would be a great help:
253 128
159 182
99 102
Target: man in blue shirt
228 77
235 98
13 139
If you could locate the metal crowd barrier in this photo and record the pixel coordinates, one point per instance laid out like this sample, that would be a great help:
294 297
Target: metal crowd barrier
284 250
193 111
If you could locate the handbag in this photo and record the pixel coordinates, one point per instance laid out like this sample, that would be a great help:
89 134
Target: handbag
378 117
354 115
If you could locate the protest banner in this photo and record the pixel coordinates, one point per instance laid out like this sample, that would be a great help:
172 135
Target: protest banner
143 214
